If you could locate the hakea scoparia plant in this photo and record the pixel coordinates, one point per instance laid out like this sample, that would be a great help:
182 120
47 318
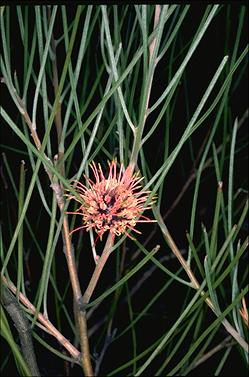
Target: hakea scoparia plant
113 204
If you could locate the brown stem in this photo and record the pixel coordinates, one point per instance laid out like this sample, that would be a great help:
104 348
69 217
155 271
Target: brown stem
94 280
176 251
22 325
190 179
44 321
80 315
227 342
81 319
84 343
98 269
32 127
193 279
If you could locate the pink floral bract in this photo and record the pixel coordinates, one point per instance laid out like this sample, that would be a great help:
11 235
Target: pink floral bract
111 204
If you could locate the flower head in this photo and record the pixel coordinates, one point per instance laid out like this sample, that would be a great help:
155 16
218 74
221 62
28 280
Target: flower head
112 204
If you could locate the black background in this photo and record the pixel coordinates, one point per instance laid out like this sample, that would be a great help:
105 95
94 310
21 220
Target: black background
199 72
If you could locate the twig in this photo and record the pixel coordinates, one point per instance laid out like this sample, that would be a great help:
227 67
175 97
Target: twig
81 301
96 326
81 318
33 131
205 166
80 314
176 251
98 269
227 342
44 321
193 279
22 325
108 341
147 274
190 179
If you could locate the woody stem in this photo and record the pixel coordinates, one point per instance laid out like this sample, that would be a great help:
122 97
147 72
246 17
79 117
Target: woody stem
98 269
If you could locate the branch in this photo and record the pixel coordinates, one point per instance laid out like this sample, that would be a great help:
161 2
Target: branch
230 329
44 321
81 318
22 325
226 343
80 314
98 269
190 179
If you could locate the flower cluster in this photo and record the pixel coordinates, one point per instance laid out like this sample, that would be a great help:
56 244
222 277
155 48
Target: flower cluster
112 204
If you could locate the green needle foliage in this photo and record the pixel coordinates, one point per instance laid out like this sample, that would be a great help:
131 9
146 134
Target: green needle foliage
160 88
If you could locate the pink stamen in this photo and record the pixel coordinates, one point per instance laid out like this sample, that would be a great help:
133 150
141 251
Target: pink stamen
111 204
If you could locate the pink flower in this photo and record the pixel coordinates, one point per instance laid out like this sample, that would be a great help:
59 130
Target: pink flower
112 204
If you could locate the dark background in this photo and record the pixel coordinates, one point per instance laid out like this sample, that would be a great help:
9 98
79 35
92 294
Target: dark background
206 59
